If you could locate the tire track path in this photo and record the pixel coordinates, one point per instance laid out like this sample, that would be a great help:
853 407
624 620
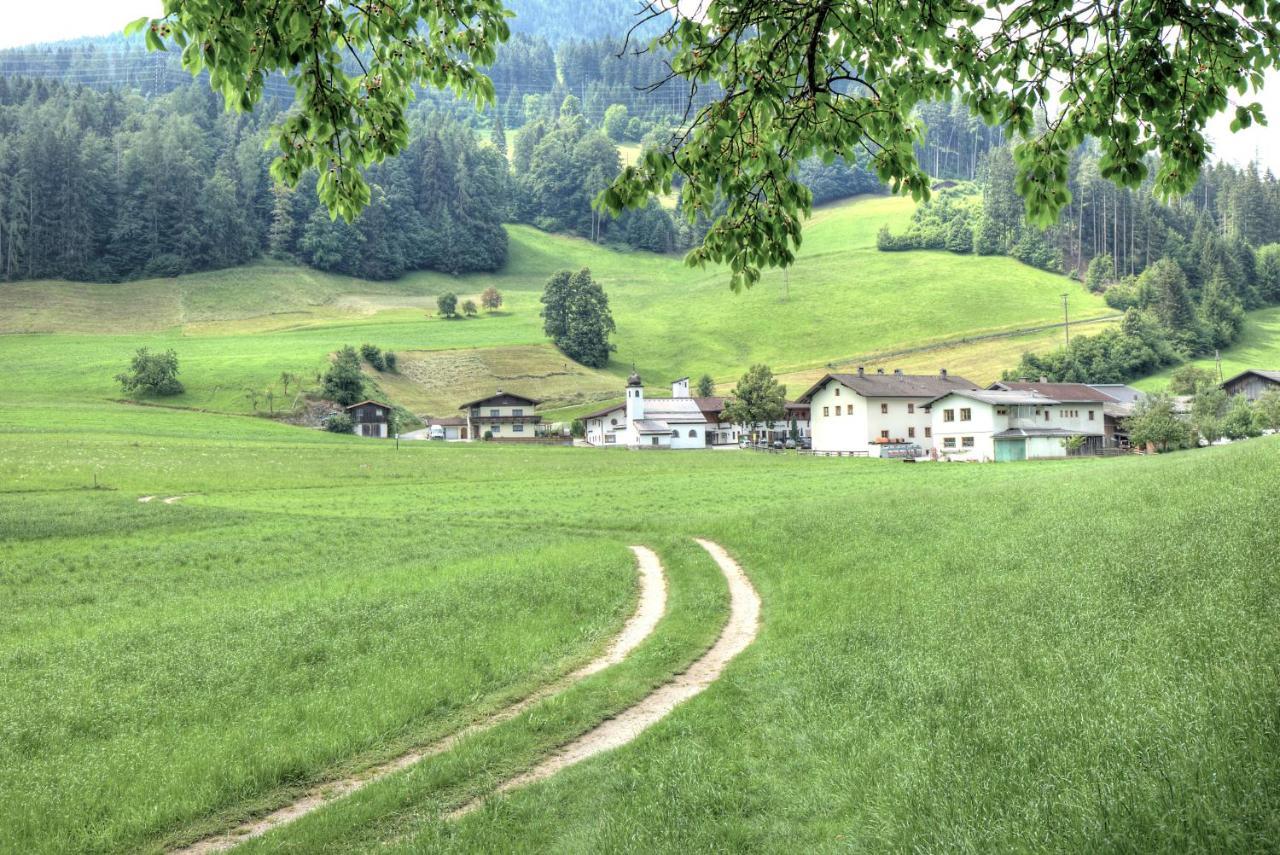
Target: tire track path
738 633
650 609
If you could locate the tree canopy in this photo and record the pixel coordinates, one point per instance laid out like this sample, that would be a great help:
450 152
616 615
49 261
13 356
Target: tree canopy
757 399
795 80
576 317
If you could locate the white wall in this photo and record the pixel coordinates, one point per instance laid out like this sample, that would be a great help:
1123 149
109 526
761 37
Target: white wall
1079 423
698 440
1039 447
898 421
981 425
600 427
838 433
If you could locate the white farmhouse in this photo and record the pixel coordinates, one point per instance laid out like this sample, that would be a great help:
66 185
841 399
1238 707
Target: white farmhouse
1025 423
675 422
866 413
502 415
1081 409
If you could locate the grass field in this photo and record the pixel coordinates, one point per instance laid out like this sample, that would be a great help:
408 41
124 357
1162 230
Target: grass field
952 657
241 328
1060 656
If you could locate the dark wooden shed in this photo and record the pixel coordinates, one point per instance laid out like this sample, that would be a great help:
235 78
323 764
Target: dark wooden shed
372 418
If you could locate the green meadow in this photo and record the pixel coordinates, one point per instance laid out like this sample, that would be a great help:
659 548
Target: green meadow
1056 656
951 656
240 328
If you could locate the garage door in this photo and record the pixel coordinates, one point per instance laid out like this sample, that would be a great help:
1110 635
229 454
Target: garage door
1011 449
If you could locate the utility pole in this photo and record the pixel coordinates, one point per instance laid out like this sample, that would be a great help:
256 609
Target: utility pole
1217 359
1066 321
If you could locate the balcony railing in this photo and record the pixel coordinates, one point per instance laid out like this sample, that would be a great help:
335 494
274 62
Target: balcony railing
531 418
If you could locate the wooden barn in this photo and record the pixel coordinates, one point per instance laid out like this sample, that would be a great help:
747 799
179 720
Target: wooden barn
1252 383
371 418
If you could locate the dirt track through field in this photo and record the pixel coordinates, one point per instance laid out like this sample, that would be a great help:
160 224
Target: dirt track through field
650 609
738 633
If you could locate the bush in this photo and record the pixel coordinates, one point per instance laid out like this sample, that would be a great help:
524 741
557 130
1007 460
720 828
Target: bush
1239 420
389 359
152 373
1034 250
1124 295
339 423
1099 274
488 435
1188 378
469 308
578 429
988 238
373 355
165 264
960 237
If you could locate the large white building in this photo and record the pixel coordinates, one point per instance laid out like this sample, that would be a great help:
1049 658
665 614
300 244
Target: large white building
869 413
639 422
682 421
1024 423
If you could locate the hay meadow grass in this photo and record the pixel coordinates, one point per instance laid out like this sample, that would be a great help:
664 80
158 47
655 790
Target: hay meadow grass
1058 656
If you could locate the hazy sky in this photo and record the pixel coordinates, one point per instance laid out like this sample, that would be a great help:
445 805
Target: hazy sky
24 22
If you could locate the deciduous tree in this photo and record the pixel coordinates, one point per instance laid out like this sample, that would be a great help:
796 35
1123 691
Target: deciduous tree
576 317
152 373
757 399
344 382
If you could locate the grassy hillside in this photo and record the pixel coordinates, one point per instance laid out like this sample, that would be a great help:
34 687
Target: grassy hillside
242 327
1258 347
314 603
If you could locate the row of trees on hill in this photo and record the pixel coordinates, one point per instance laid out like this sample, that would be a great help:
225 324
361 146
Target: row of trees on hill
1184 271
108 186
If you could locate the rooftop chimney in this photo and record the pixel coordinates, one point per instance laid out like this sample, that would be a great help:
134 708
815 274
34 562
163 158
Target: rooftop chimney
861 371
879 370
897 372
944 374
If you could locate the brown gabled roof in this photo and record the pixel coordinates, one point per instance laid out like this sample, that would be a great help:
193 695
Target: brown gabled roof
500 394
621 405
892 385
1067 393
448 421
370 401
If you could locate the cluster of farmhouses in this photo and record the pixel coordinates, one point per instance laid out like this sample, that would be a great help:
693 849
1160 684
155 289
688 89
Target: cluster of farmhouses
875 414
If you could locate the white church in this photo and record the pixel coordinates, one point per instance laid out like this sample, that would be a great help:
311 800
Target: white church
675 422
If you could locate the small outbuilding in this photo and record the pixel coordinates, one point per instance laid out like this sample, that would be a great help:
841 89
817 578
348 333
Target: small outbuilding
370 418
1252 383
